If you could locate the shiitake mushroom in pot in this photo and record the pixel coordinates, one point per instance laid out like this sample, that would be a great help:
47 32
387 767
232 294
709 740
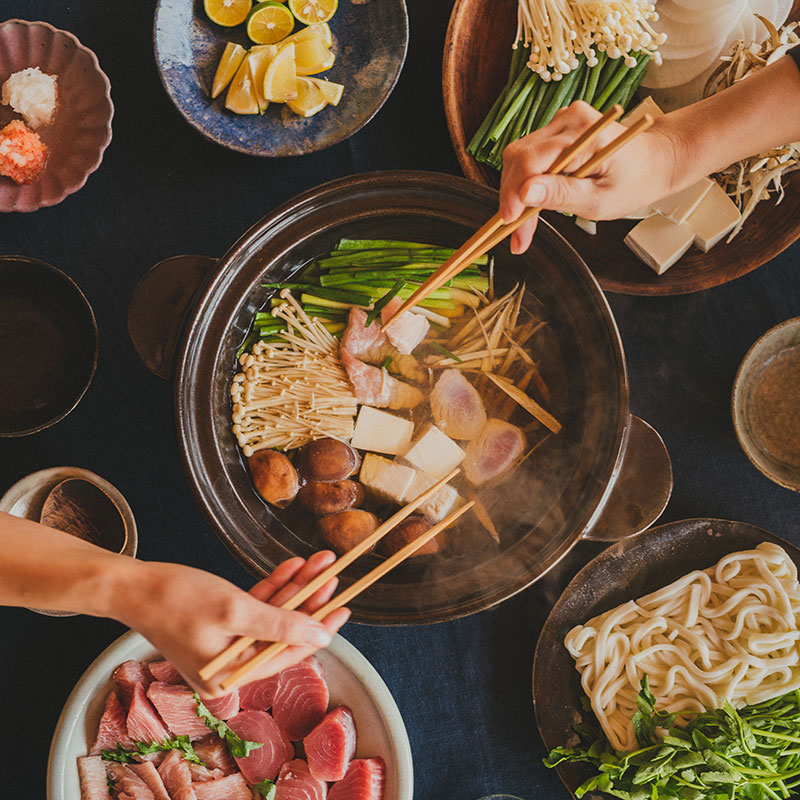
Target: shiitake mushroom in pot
346 529
327 460
409 529
322 498
274 476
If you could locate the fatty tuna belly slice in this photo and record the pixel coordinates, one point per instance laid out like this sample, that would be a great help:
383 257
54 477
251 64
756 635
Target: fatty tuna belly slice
224 707
92 776
164 672
331 745
174 771
232 787
128 785
213 752
112 729
258 695
301 699
149 774
258 726
297 783
144 724
178 708
126 677
364 780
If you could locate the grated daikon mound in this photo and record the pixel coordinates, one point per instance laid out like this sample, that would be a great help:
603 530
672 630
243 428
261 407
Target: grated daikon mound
33 94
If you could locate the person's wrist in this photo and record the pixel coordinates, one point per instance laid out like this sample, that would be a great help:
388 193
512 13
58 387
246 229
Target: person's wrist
668 157
122 581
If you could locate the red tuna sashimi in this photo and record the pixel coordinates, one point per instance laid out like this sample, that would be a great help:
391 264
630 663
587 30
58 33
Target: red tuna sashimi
224 707
364 780
233 787
127 675
213 752
297 783
112 729
258 726
258 695
144 724
331 745
201 774
301 699
127 784
174 771
149 774
92 776
407 330
177 707
164 671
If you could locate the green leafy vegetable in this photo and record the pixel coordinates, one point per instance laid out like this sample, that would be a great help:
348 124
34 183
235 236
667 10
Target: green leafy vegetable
237 747
266 788
125 756
445 352
722 754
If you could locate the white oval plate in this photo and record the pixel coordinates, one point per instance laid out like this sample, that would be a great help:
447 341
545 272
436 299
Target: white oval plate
352 681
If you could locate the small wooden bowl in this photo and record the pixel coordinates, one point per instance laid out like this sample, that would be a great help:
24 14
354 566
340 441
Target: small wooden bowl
476 59
766 404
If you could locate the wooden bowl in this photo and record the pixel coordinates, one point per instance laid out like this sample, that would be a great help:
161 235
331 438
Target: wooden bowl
476 59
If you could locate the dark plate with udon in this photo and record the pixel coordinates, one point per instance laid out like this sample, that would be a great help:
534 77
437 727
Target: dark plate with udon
625 571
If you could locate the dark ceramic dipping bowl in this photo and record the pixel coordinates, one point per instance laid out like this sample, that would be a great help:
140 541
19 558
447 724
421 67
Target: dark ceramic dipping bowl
606 475
48 345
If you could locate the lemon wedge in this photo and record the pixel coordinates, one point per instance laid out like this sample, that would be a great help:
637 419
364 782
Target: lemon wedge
231 60
227 12
260 58
320 30
269 22
241 97
280 79
330 90
313 56
311 11
309 99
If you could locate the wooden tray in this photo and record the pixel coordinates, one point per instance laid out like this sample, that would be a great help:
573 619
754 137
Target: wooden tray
476 58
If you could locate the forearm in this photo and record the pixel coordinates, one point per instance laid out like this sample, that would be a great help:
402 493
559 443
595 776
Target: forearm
754 115
44 568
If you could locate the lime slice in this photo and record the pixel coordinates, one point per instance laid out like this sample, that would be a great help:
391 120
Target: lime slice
311 11
331 91
269 22
319 30
280 79
312 56
227 12
241 97
260 58
309 99
232 57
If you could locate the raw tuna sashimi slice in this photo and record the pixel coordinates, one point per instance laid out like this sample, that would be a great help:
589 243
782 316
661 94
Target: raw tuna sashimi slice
177 707
201 774
213 752
224 707
258 695
259 726
143 723
112 729
331 745
127 784
407 330
164 671
301 699
92 775
233 787
174 771
127 675
297 783
149 774
364 780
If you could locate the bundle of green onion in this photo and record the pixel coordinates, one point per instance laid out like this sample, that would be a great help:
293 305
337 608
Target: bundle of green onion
528 101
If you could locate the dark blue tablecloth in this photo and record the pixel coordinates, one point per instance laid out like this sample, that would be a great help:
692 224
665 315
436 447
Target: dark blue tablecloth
463 687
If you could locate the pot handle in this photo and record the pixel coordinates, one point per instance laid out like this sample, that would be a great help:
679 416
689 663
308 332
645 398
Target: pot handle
158 309
642 488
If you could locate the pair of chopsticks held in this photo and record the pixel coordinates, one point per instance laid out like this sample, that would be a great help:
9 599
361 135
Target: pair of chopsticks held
494 231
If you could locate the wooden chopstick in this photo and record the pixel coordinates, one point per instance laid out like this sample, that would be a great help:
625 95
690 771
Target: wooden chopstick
495 230
242 643
348 594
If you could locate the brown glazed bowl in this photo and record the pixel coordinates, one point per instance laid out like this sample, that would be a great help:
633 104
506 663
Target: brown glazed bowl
606 475
625 571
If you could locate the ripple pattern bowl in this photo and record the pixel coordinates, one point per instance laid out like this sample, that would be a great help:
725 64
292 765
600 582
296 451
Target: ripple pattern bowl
81 127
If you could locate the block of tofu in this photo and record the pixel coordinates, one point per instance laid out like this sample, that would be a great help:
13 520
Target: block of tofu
381 432
647 106
659 242
436 507
678 207
386 479
433 453
714 218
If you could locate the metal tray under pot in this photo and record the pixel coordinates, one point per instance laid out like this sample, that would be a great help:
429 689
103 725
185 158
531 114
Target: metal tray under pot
607 475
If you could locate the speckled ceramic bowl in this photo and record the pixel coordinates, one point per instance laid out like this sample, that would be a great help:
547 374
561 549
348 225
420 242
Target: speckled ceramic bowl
369 39
81 129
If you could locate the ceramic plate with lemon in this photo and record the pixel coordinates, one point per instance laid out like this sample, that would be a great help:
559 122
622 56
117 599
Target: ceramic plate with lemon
279 78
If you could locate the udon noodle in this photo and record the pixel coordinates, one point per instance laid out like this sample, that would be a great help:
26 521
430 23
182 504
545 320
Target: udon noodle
729 632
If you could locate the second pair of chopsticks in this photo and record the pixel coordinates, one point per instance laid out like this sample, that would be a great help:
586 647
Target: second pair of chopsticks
240 645
495 230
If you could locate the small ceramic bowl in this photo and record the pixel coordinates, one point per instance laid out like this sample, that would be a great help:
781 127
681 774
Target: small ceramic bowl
81 128
766 404
48 345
